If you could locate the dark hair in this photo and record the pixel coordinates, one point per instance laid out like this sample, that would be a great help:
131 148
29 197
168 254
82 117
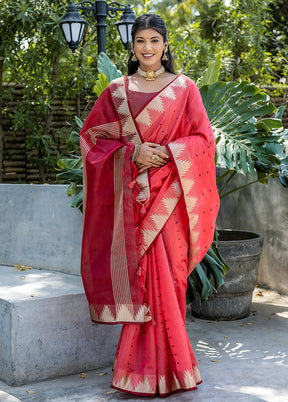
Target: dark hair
150 21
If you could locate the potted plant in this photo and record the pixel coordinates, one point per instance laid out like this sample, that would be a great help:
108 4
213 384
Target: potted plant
248 143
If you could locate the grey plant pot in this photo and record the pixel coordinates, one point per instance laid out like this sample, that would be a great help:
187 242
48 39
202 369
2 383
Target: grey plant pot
241 250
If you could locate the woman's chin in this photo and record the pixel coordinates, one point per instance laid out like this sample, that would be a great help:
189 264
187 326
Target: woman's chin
149 64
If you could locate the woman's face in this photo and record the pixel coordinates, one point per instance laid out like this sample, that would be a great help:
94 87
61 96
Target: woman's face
149 46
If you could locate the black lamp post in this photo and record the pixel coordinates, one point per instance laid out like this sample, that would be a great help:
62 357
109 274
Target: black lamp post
73 24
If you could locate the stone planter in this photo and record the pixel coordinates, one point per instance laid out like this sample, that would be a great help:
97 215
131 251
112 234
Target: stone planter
241 250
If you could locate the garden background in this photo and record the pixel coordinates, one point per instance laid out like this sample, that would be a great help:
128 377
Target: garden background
43 85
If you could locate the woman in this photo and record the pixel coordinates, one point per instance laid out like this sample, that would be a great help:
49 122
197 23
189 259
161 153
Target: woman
150 205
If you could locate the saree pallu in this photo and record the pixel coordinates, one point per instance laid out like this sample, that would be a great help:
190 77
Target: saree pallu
144 233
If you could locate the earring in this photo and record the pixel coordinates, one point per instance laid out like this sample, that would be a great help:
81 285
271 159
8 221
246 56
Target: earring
164 57
133 58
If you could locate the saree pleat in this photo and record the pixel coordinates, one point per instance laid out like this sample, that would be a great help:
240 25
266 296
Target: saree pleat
156 357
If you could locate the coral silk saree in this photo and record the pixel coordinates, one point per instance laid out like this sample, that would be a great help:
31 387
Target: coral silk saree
144 233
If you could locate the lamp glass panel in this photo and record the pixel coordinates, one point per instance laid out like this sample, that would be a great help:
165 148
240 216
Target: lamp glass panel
76 29
66 31
129 30
81 32
123 32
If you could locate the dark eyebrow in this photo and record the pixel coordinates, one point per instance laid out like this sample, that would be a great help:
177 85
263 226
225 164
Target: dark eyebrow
142 37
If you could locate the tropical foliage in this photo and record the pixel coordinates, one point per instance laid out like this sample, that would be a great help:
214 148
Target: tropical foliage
250 37
72 166
248 143
30 51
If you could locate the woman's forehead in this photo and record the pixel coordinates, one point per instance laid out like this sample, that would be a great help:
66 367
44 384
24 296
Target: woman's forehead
148 33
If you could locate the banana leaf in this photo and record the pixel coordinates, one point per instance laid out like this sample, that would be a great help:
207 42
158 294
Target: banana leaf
107 73
105 66
101 84
74 138
77 201
79 122
211 74
73 175
70 163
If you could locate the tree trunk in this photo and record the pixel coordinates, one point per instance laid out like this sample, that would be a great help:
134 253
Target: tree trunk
47 127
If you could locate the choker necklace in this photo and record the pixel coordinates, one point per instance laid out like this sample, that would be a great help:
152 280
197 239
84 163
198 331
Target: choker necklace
150 75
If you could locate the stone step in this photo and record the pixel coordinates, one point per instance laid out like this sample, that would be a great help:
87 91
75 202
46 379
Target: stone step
45 328
4 397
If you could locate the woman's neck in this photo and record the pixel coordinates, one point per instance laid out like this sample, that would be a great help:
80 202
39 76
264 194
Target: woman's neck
138 83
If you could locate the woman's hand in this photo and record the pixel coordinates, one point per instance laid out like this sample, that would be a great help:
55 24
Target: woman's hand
164 149
152 155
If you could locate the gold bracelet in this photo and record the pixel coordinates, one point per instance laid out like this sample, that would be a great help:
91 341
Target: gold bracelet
136 152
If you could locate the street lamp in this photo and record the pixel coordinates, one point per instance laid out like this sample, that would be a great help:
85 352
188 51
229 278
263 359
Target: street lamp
73 24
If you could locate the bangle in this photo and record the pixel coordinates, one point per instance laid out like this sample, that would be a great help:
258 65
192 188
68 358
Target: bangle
136 152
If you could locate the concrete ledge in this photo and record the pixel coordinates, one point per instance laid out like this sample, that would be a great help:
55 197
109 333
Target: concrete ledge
38 228
45 328
4 397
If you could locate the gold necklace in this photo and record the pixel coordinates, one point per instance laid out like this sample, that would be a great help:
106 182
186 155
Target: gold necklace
150 75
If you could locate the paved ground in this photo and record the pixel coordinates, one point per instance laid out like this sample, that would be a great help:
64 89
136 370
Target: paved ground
245 360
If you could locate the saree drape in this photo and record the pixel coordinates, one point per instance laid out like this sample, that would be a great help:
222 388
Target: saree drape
144 233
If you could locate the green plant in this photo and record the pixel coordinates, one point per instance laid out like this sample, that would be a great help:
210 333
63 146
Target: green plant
248 143
72 169
72 166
